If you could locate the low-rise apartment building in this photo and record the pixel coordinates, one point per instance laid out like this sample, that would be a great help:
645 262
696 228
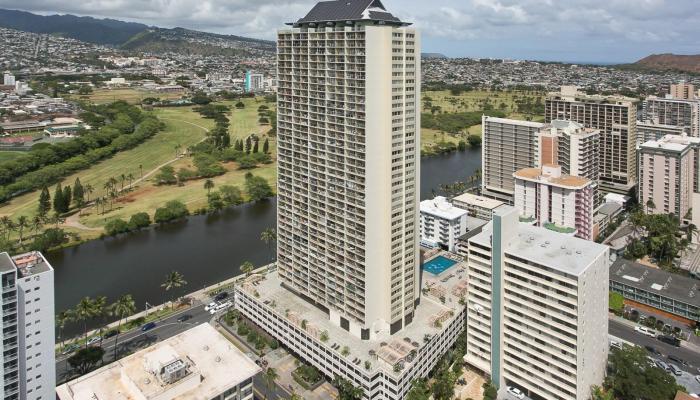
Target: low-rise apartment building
478 206
441 223
199 363
538 303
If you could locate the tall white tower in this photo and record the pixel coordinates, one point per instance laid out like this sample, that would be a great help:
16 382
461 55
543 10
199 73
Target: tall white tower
349 164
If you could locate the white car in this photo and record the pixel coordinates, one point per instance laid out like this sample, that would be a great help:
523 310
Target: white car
515 392
220 307
645 331
93 340
211 306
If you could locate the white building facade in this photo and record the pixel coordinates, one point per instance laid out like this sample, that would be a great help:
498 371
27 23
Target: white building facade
441 222
538 305
28 327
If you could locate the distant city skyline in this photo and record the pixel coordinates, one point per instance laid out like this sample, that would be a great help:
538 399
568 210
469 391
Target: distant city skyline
579 31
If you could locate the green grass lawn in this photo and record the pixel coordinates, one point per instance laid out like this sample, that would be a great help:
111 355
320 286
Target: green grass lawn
153 152
476 100
10 155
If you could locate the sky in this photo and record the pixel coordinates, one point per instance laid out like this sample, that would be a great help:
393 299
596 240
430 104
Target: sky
601 31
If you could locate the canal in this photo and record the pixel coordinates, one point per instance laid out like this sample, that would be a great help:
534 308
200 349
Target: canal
205 249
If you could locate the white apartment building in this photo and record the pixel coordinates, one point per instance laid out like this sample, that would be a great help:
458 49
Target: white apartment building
570 145
507 146
29 365
668 174
683 113
559 202
348 163
199 363
441 223
253 82
478 206
538 306
8 79
615 118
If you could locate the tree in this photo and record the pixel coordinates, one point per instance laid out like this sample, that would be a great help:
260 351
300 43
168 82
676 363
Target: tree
173 281
255 146
37 223
269 236
650 205
84 311
215 202
88 190
84 360
474 140
67 198
44 202
139 220
122 309
100 311
247 268
22 223
248 145
266 146
208 185
78 194
257 187
419 390
346 391
240 105
270 378
58 199
62 319
116 226
616 302
597 393
231 195
632 377
166 176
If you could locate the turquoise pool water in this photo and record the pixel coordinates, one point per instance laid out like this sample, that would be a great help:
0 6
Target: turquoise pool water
438 264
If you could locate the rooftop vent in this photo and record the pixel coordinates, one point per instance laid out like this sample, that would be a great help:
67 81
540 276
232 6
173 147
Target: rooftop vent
174 371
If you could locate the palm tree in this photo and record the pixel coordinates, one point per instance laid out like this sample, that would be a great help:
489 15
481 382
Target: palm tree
22 222
100 311
141 169
122 308
37 223
88 189
98 201
173 280
270 378
208 185
692 230
131 180
122 178
269 236
62 319
84 310
247 268
8 225
650 205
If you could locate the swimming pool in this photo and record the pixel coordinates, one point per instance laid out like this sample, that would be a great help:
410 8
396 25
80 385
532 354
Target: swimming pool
438 265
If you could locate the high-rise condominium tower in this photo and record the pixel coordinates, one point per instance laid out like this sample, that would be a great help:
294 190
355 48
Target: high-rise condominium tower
615 117
675 112
348 91
29 366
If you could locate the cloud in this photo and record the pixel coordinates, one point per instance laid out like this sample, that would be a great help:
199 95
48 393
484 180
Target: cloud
559 24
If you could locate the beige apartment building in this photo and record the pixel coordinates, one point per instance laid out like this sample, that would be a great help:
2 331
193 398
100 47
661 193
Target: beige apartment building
348 162
671 111
538 309
684 91
615 118
668 174
508 145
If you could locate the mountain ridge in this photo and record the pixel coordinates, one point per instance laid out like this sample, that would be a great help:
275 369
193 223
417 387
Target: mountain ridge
670 62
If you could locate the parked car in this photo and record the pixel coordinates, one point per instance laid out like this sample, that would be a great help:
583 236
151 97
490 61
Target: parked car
220 307
93 340
616 345
515 392
184 317
668 339
69 349
645 331
110 334
221 296
211 305
675 370
677 359
663 365
148 326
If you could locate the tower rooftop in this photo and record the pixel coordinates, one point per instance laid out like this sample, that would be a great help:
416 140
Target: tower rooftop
349 10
